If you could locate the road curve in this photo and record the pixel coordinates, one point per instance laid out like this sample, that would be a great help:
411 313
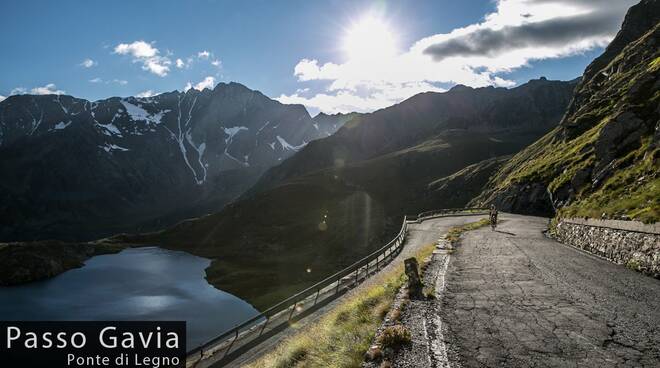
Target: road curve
515 298
418 236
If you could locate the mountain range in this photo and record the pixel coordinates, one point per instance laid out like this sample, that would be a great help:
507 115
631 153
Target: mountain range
291 199
79 170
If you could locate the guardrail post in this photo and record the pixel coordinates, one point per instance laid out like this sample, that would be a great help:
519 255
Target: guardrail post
317 295
230 345
264 327
378 263
356 275
366 273
338 281
292 310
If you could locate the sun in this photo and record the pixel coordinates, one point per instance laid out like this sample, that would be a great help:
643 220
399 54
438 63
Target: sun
369 39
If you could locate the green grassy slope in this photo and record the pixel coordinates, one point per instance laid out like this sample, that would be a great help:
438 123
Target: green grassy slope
602 160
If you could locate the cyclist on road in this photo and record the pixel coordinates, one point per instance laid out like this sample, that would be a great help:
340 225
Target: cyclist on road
493 216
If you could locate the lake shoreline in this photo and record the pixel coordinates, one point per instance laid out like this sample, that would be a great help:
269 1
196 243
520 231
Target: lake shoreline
148 283
25 262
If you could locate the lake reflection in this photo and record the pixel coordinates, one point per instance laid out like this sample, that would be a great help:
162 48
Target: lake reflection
135 284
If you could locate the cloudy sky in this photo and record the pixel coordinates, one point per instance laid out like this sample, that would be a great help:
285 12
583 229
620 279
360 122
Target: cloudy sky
331 56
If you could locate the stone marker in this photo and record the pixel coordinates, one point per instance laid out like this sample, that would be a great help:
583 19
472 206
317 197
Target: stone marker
414 282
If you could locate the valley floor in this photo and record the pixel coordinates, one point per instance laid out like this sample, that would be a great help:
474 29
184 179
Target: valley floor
515 298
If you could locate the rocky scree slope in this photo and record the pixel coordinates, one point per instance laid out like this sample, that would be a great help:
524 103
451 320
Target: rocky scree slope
602 159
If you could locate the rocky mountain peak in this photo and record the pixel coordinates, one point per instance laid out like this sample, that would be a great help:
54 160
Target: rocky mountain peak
459 88
205 146
638 20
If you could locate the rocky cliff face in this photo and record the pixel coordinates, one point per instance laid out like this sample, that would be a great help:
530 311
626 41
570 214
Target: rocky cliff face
602 160
75 169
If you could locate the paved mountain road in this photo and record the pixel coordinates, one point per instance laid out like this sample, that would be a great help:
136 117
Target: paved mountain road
419 235
515 298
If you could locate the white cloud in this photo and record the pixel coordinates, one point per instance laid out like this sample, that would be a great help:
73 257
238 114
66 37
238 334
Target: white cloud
121 82
48 89
138 49
517 33
208 82
181 63
345 101
204 54
216 63
18 91
88 63
147 93
2 98
159 66
145 53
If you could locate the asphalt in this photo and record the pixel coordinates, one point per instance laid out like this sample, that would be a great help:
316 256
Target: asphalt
515 298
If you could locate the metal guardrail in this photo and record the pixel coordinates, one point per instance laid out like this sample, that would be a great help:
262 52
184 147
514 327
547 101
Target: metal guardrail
326 289
449 212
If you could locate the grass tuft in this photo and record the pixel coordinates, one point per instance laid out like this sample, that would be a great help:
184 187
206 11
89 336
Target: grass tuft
633 264
394 337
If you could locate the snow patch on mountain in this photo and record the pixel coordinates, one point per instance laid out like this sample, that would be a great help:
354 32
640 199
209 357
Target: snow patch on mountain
109 147
200 153
66 111
235 159
289 147
61 125
156 118
263 126
110 129
231 132
137 113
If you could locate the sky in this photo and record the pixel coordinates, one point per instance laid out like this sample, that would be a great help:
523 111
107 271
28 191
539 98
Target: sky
331 56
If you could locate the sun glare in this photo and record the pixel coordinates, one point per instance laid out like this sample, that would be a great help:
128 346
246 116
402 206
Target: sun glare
369 39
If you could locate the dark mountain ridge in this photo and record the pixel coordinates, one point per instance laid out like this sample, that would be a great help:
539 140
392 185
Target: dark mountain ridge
78 170
534 107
